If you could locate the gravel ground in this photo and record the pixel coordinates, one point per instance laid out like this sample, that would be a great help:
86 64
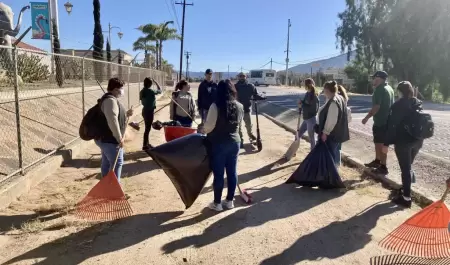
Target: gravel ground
285 224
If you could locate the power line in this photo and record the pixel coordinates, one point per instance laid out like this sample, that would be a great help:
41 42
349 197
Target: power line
176 14
182 35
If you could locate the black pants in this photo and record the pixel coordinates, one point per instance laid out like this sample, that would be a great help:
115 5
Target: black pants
406 153
148 116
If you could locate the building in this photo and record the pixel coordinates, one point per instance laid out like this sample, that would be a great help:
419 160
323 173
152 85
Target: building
127 58
339 75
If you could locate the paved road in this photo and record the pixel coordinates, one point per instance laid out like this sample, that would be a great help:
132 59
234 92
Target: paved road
438 146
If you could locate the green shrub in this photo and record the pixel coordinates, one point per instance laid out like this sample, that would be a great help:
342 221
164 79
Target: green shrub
31 69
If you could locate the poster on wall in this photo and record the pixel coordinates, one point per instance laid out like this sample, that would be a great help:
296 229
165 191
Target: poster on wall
40 21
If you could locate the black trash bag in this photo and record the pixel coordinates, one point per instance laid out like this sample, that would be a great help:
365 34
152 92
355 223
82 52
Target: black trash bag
317 170
185 161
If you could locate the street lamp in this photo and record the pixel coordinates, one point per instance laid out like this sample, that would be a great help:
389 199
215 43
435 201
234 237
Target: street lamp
68 7
120 34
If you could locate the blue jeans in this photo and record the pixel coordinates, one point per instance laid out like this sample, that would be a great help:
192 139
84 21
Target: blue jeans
308 125
224 157
203 115
109 153
184 121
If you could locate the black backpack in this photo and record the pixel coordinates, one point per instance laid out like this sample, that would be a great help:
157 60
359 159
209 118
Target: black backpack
94 124
419 124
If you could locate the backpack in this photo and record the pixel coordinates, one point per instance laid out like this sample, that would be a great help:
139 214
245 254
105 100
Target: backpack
419 124
94 123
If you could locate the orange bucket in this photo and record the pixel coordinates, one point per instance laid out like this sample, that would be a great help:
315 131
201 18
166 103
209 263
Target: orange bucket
175 132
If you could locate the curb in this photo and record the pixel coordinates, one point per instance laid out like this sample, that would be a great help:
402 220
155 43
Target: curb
16 186
417 197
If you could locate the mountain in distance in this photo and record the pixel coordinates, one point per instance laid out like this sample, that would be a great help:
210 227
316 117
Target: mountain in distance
339 62
196 75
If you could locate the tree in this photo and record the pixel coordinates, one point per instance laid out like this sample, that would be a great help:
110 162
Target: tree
149 31
57 50
167 67
164 33
108 58
142 44
119 61
97 53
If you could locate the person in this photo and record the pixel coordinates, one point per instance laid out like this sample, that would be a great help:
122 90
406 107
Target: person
343 93
309 106
245 92
182 109
205 97
333 119
382 100
222 128
406 147
111 141
148 100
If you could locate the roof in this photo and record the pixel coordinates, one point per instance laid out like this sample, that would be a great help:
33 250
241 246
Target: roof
23 45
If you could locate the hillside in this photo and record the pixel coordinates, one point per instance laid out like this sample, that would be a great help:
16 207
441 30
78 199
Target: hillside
339 61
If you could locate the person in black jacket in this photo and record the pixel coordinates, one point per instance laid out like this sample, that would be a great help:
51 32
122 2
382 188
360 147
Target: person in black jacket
246 92
310 107
206 93
406 147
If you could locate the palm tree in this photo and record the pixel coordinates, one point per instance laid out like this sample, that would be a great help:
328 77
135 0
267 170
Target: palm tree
149 31
164 33
167 67
142 44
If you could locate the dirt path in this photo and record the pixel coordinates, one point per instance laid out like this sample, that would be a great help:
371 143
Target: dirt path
285 225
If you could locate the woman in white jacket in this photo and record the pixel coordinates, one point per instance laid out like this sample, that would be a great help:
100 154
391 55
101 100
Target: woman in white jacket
333 120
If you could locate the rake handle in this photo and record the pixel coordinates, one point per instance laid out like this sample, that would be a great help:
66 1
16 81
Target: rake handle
444 196
189 115
118 150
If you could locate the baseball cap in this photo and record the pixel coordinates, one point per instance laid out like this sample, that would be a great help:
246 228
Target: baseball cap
241 74
208 71
381 74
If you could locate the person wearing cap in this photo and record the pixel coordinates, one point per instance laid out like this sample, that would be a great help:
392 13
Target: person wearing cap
382 100
206 93
406 147
245 92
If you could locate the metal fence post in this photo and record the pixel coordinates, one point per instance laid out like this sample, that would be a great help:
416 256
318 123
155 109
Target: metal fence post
129 73
83 86
16 100
139 84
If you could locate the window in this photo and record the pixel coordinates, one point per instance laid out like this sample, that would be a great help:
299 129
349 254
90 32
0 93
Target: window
270 74
256 74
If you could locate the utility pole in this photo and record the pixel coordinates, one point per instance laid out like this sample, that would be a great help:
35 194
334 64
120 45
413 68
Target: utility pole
187 64
241 70
287 52
182 36
271 64
228 71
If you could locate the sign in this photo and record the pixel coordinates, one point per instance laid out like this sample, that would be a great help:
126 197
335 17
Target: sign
40 21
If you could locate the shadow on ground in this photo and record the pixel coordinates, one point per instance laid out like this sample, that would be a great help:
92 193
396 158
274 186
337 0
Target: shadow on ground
334 240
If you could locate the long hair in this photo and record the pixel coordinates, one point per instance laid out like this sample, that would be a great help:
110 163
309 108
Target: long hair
226 100
331 86
311 86
180 85
406 89
343 92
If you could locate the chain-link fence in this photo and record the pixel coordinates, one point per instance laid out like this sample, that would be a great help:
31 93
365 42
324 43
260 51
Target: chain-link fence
43 98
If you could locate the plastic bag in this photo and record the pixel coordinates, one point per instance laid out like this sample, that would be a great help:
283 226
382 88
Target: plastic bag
185 161
317 170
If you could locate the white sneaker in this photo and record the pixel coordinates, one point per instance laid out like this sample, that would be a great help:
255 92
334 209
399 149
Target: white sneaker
228 204
215 207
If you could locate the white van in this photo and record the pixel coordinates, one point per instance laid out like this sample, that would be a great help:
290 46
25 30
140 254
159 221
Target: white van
262 77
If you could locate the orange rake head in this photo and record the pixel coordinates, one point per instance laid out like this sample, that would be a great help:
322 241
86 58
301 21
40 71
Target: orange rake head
426 234
404 260
106 201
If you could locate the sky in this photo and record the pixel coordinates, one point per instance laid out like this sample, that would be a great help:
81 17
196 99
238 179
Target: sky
218 33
